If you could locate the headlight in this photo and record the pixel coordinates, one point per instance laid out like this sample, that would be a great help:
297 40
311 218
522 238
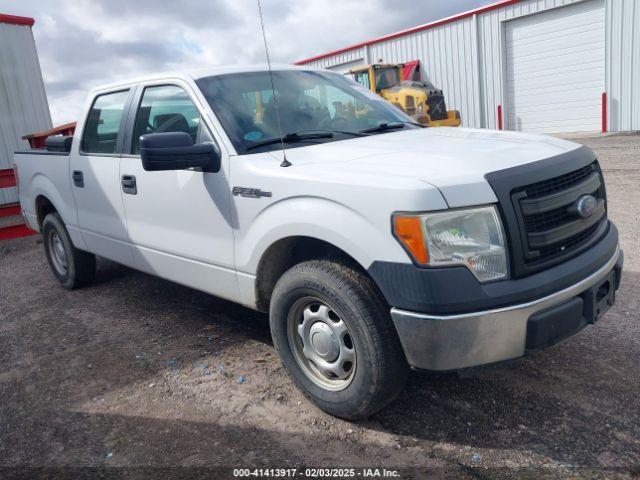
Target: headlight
471 237
420 108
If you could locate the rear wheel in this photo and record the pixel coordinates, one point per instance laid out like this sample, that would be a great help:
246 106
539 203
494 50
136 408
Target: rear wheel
336 339
72 267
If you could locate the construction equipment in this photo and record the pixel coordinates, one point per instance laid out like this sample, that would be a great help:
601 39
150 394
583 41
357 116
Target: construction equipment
418 98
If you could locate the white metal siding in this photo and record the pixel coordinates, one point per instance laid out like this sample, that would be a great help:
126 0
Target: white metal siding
350 57
345 67
623 64
555 69
465 58
23 101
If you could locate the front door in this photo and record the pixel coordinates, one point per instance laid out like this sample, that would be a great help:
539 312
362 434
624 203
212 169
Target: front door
178 221
95 178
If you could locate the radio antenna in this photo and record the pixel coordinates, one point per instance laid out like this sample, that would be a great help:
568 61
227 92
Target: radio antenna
285 162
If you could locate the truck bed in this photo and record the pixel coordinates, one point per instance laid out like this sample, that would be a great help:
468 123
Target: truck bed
41 172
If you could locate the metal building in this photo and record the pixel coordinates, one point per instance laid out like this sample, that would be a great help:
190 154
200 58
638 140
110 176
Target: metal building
530 65
23 101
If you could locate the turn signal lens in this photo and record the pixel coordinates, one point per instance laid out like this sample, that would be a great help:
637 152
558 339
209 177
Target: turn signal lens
470 237
409 231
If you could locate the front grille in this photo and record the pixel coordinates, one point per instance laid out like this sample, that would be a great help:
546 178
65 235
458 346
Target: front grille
569 243
562 182
437 107
549 224
551 219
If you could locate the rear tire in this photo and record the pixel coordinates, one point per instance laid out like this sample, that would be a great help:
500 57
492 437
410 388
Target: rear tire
72 267
335 338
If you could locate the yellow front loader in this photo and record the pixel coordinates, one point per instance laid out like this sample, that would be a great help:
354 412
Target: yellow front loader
419 99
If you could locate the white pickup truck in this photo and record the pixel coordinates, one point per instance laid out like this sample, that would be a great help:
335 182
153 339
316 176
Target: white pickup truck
376 245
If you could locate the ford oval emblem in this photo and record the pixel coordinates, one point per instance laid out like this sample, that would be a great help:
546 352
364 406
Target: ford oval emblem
586 205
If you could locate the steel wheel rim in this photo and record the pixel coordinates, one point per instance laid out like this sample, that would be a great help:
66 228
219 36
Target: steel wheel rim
321 343
58 252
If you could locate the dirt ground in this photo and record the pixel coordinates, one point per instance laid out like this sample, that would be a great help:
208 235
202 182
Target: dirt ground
144 375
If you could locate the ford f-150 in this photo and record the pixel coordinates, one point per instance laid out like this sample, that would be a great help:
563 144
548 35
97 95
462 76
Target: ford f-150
375 245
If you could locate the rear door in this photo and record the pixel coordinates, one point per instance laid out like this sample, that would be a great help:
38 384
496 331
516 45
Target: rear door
95 174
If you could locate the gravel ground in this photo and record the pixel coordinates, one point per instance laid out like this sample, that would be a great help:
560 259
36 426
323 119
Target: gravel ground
138 372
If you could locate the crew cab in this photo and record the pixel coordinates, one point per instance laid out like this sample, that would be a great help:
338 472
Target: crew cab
375 245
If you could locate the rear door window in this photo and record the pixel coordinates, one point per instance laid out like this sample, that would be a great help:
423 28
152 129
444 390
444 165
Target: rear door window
101 129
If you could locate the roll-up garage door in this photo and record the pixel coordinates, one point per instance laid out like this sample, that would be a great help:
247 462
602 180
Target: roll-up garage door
555 69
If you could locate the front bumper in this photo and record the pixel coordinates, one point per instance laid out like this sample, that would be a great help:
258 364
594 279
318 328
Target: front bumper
451 342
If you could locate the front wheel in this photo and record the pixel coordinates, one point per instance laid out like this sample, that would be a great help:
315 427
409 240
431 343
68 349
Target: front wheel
335 337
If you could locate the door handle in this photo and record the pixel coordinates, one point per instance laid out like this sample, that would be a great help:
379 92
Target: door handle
129 185
78 178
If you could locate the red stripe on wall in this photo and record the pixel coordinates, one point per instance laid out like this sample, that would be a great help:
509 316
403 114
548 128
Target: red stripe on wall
10 210
16 231
16 20
604 112
7 178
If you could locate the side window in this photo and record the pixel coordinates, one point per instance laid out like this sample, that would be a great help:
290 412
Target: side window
103 123
363 79
166 108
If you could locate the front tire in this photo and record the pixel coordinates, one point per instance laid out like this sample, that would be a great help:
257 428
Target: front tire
72 267
335 337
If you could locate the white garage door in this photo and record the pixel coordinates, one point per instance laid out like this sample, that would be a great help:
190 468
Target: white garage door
555 69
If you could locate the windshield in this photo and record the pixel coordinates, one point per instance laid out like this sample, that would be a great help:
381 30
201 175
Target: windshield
307 101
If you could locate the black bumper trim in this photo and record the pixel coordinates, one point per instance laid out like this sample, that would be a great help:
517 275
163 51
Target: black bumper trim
453 290
557 323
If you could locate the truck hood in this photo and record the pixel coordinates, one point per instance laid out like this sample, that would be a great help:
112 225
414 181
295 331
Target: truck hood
454 160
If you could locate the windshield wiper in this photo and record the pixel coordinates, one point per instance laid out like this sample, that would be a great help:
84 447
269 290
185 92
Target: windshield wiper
343 132
291 138
301 135
386 126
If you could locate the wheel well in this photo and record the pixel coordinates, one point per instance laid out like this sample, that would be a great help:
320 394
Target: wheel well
286 253
43 208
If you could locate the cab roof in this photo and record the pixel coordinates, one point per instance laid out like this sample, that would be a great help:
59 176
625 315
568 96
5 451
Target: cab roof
196 74
375 65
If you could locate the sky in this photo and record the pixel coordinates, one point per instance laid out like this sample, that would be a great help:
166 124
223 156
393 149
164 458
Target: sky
86 43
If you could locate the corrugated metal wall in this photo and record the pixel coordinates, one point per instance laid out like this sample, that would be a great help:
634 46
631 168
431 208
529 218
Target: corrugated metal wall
623 64
342 61
23 101
466 59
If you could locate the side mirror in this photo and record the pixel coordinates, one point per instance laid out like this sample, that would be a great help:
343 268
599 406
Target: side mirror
176 151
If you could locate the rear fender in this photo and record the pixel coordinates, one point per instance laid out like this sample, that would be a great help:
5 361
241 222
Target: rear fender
41 185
